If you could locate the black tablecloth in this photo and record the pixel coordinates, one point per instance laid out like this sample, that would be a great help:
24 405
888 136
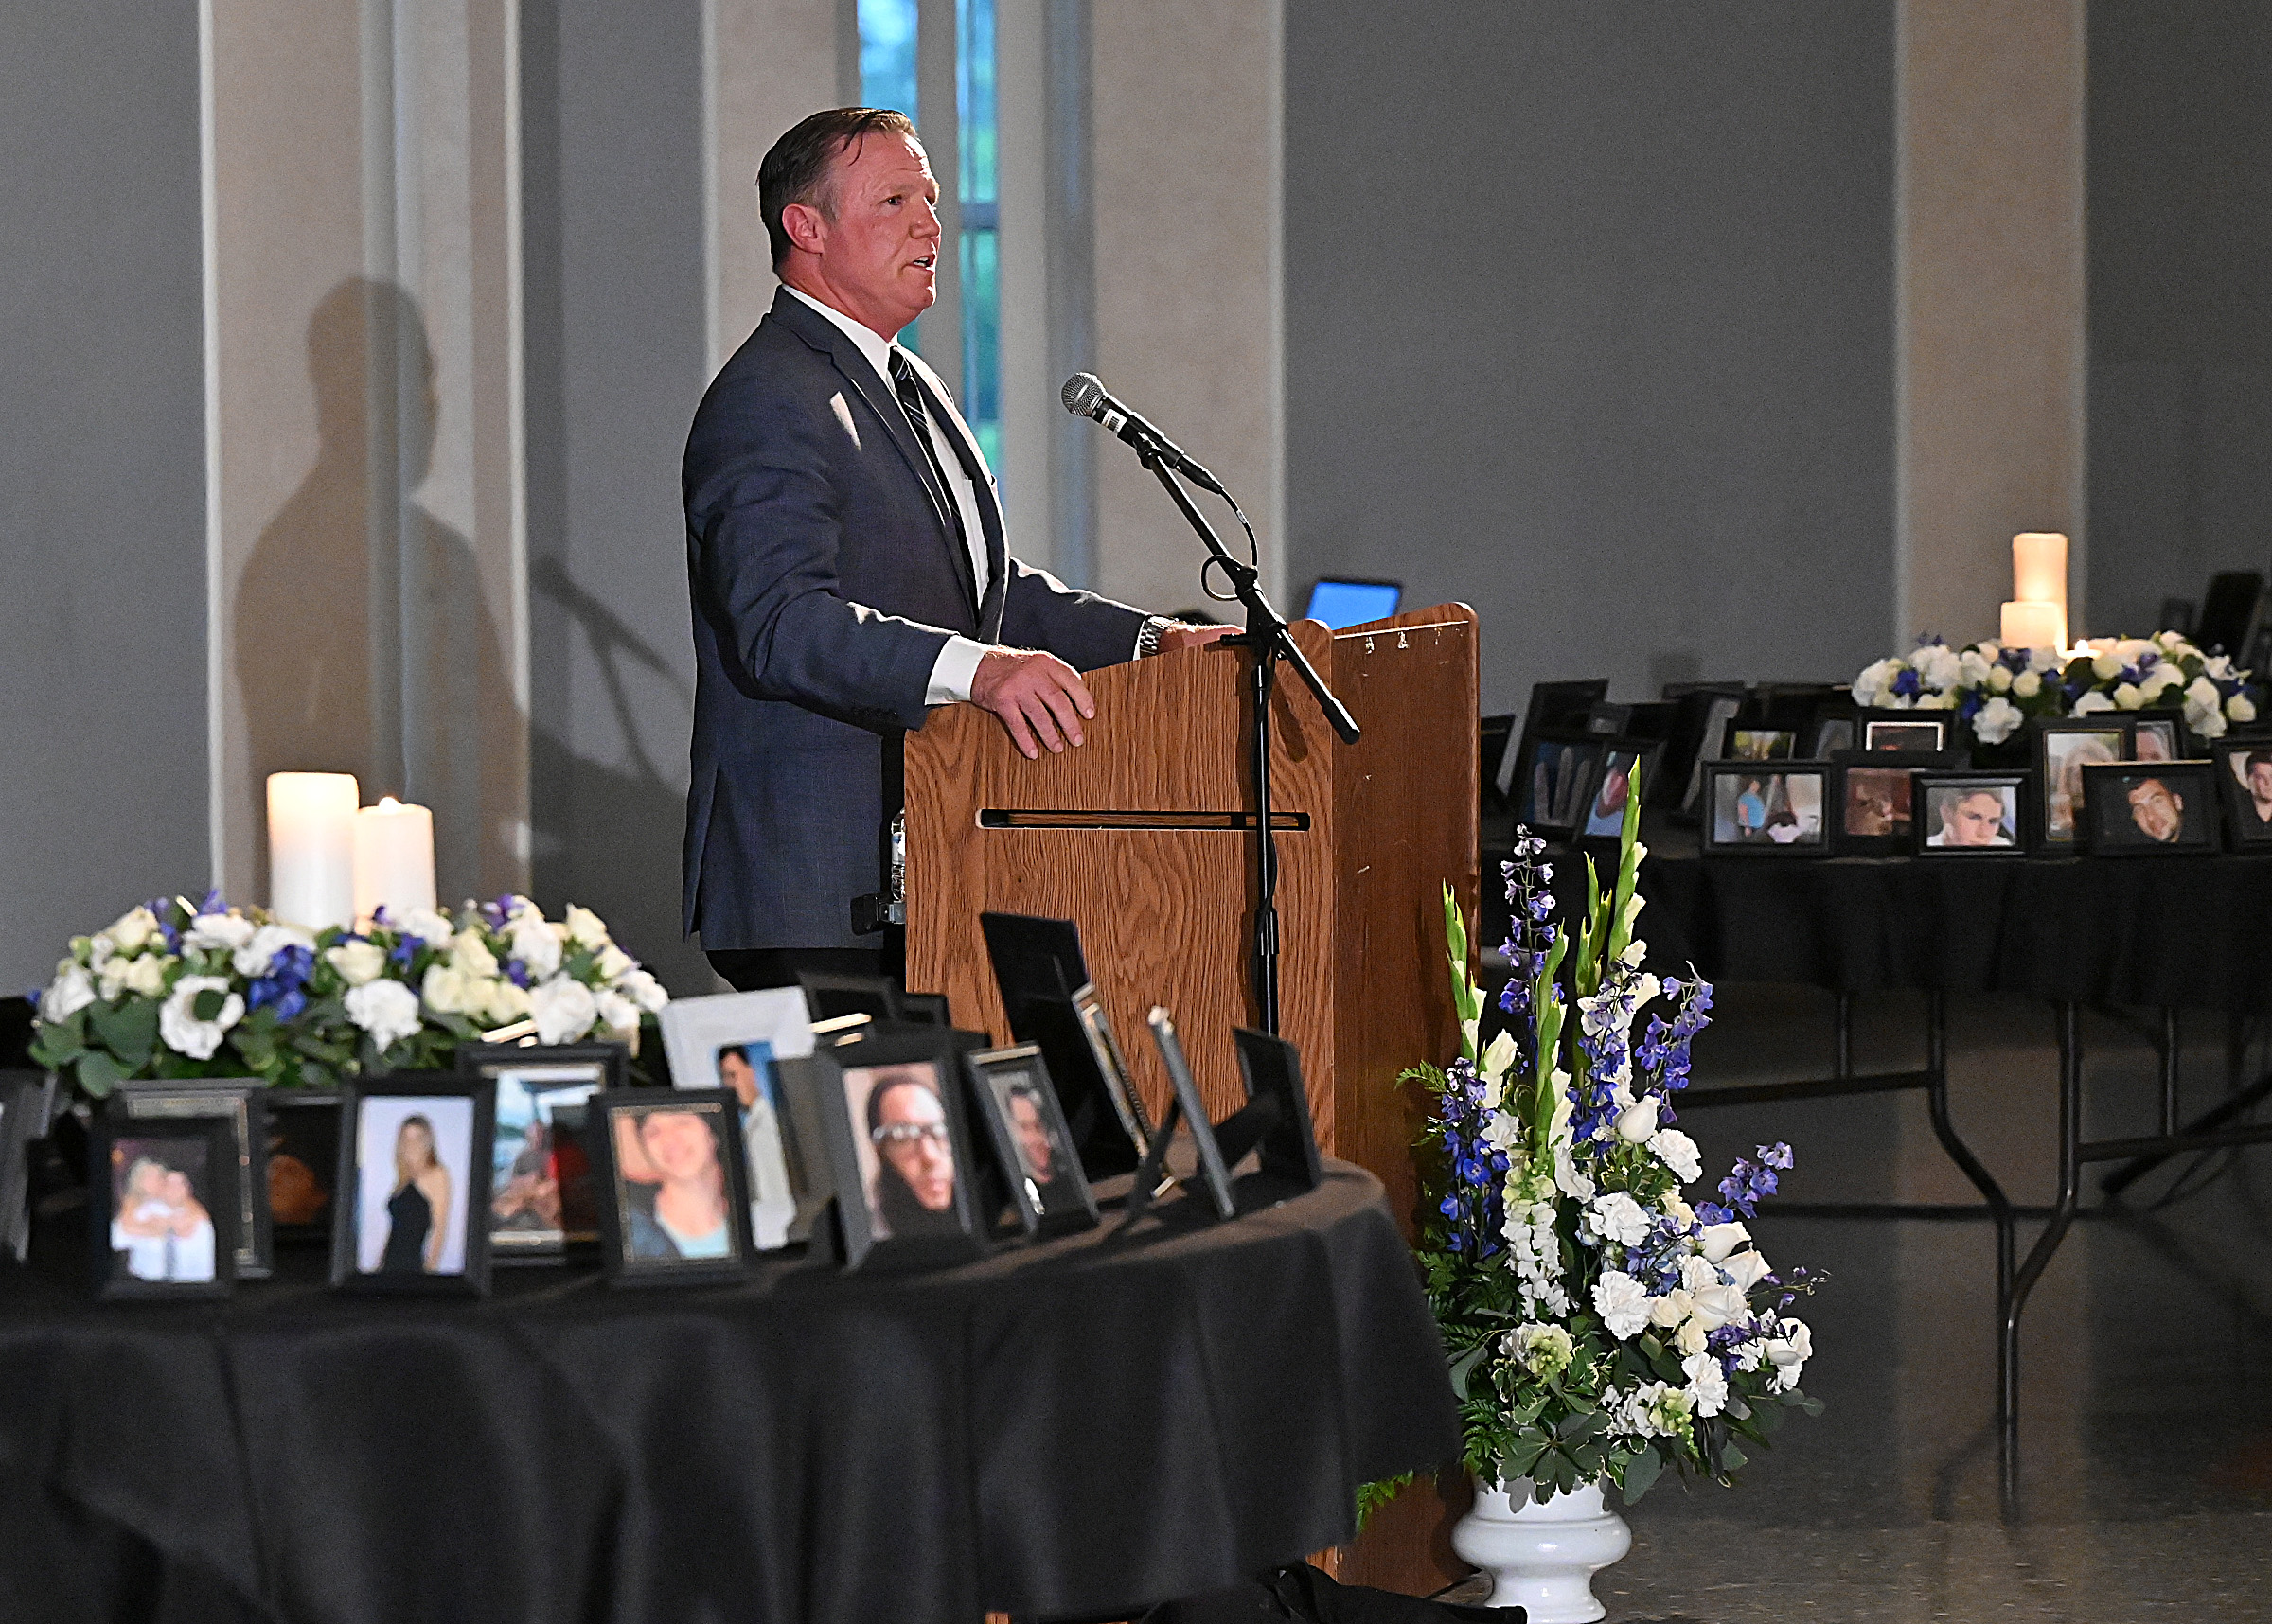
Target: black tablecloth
2180 932
1091 1424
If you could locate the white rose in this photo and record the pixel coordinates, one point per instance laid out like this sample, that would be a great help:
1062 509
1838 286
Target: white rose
1747 1269
2027 684
563 1007
2132 649
1707 1383
2105 664
585 927
616 1013
1999 678
642 988
2162 676
2041 659
447 989
1691 1337
357 962
614 962
1621 1302
1619 1218
537 944
426 926
1972 667
71 991
2203 708
1671 1309
1718 1240
2218 665
227 931
2240 708
253 959
110 975
177 1016
1719 1305
1945 700
1677 1151
1790 1354
388 1010
2092 702
145 977
1939 666
1996 721
472 955
1636 1121
133 929
2128 697
501 1001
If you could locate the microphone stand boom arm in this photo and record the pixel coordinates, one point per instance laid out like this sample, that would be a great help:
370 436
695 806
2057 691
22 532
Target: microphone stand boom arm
1267 634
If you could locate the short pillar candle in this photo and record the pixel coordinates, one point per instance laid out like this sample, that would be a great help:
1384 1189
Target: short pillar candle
394 858
2034 625
312 847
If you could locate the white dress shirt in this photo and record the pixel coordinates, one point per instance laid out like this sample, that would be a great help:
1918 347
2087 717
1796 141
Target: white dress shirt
957 664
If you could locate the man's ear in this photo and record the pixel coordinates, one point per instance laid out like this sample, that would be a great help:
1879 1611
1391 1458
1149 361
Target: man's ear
808 227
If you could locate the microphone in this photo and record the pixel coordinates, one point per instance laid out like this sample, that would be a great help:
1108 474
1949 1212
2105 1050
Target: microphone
1084 396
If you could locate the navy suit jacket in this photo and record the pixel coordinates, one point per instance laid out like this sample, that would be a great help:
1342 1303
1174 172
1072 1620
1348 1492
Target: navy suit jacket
822 571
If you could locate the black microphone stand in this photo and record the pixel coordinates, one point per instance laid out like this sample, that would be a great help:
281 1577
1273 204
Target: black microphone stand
1267 634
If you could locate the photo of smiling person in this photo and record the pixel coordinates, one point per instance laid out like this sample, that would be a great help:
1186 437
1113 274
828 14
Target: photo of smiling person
680 1212
2156 810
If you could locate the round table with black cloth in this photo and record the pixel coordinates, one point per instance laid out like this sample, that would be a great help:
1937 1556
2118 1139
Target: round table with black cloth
1097 1422
2175 932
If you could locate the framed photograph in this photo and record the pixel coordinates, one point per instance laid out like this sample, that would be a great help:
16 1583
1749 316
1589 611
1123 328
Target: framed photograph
1112 1065
165 1205
828 994
1032 1144
1775 808
1760 744
1555 780
1968 814
1704 716
2244 773
1913 733
303 1160
1613 785
541 1199
901 1156
2062 748
242 1104
1288 1139
413 1183
1213 1171
1556 707
2142 809
737 1041
674 1206
1872 796
1830 736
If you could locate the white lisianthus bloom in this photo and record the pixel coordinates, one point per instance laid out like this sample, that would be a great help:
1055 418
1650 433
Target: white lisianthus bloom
1621 1302
1677 1151
565 1009
145 977
586 928
1671 1309
2128 697
131 929
1719 1305
177 1016
2092 702
1698 1274
2042 660
1945 700
224 931
71 991
1544 1350
2240 708
2204 709
472 955
1747 1269
448 990
2164 674
642 988
1998 719
1999 678
1718 1240
1616 1217
427 926
388 1010
1789 1352
357 962
1707 1383
1636 1121
253 959
499 1002
1939 666
2027 684
2218 665
537 944
110 975
616 1013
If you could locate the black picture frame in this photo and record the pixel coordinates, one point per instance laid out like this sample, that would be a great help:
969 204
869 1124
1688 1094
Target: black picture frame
635 1238
879 1225
1749 741
1000 1081
2168 729
460 1112
828 994
1495 761
302 1165
2121 825
1558 707
203 1150
1103 1043
1830 734
1213 1169
1045 989
1286 1138
2061 748
1888 832
242 1102
1727 820
539 1075
1603 824
1931 792
23 1101
2238 763
1702 712
1553 781
1876 727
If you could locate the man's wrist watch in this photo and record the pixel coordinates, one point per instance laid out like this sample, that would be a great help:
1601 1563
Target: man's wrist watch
1147 635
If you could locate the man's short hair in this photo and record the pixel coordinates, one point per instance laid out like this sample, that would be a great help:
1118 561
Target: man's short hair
2258 758
796 170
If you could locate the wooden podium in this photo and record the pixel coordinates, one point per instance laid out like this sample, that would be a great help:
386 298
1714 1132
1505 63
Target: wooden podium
1143 838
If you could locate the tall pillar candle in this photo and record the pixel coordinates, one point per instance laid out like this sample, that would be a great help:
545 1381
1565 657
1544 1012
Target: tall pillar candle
394 858
2039 568
312 847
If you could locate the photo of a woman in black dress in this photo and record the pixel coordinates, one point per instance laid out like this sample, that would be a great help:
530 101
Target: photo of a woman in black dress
417 1212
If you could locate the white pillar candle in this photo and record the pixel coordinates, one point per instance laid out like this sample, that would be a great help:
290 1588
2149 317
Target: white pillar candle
312 847
2039 568
394 858
2034 625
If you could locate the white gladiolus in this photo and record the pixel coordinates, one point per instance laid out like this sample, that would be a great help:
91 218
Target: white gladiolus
1500 1054
565 1009
71 991
1998 719
1623 1305
357 962
224 931
177 1016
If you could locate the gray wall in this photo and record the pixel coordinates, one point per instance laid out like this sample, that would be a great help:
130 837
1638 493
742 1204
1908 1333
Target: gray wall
103 801
1588 321
2180 270
612 159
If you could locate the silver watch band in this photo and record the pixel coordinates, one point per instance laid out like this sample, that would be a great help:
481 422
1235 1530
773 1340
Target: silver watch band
1147 635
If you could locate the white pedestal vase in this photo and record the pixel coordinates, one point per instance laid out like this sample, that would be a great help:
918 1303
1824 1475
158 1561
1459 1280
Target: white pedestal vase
1543 1556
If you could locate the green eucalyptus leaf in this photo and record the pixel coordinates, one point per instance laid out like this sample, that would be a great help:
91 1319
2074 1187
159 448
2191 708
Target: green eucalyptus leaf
1640 1475
98 1073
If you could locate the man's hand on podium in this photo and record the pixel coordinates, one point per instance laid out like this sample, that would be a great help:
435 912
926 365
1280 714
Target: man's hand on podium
1037 697
1183 634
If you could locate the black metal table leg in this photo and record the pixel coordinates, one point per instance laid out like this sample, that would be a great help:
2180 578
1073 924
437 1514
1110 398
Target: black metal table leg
2000 1206
2016 1301
1843 1057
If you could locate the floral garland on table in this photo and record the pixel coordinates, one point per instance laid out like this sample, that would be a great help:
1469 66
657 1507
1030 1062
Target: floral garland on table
1599 1326
176 989
1996 690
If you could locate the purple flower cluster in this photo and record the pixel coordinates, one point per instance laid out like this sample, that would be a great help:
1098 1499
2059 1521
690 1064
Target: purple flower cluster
1746 1184
285 987
1662 1056
1657 1260
1473 1207
1530 937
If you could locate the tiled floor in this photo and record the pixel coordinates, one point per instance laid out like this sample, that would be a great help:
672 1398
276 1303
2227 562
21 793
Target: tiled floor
2146 1487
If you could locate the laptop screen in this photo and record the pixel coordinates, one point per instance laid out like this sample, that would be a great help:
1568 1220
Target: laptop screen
1341 603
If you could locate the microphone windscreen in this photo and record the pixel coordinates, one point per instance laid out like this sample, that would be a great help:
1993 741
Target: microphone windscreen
1083 393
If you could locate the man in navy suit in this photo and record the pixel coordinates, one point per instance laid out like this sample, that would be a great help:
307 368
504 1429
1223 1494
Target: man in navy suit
846 567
